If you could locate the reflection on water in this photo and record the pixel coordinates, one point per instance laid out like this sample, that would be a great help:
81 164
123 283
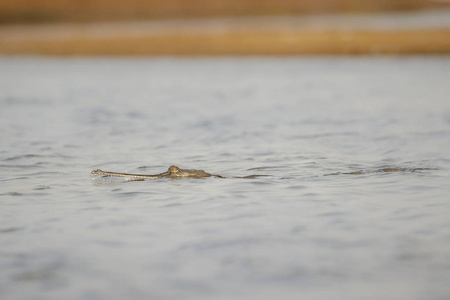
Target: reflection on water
295 232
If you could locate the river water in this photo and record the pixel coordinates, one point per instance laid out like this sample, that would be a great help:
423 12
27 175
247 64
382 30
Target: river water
296 234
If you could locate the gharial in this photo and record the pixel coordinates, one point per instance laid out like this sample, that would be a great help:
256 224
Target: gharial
173 172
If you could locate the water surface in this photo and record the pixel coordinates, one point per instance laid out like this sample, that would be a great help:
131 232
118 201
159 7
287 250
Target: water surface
295 233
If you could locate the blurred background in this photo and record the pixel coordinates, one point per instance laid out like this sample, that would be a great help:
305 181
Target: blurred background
219 27
34 11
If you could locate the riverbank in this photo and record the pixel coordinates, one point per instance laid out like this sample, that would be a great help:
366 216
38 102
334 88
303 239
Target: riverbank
243 43
398 33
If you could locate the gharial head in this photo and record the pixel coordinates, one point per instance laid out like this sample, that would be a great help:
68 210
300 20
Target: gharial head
174 169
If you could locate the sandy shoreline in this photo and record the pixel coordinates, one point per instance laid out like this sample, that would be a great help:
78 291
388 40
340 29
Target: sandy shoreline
243 43
412 33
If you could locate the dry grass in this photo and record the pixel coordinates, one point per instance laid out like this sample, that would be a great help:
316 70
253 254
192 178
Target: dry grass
243 43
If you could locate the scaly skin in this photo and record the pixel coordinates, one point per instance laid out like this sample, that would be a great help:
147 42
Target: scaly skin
384 170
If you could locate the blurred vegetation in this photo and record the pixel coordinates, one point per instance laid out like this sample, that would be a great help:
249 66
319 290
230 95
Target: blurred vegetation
39 11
